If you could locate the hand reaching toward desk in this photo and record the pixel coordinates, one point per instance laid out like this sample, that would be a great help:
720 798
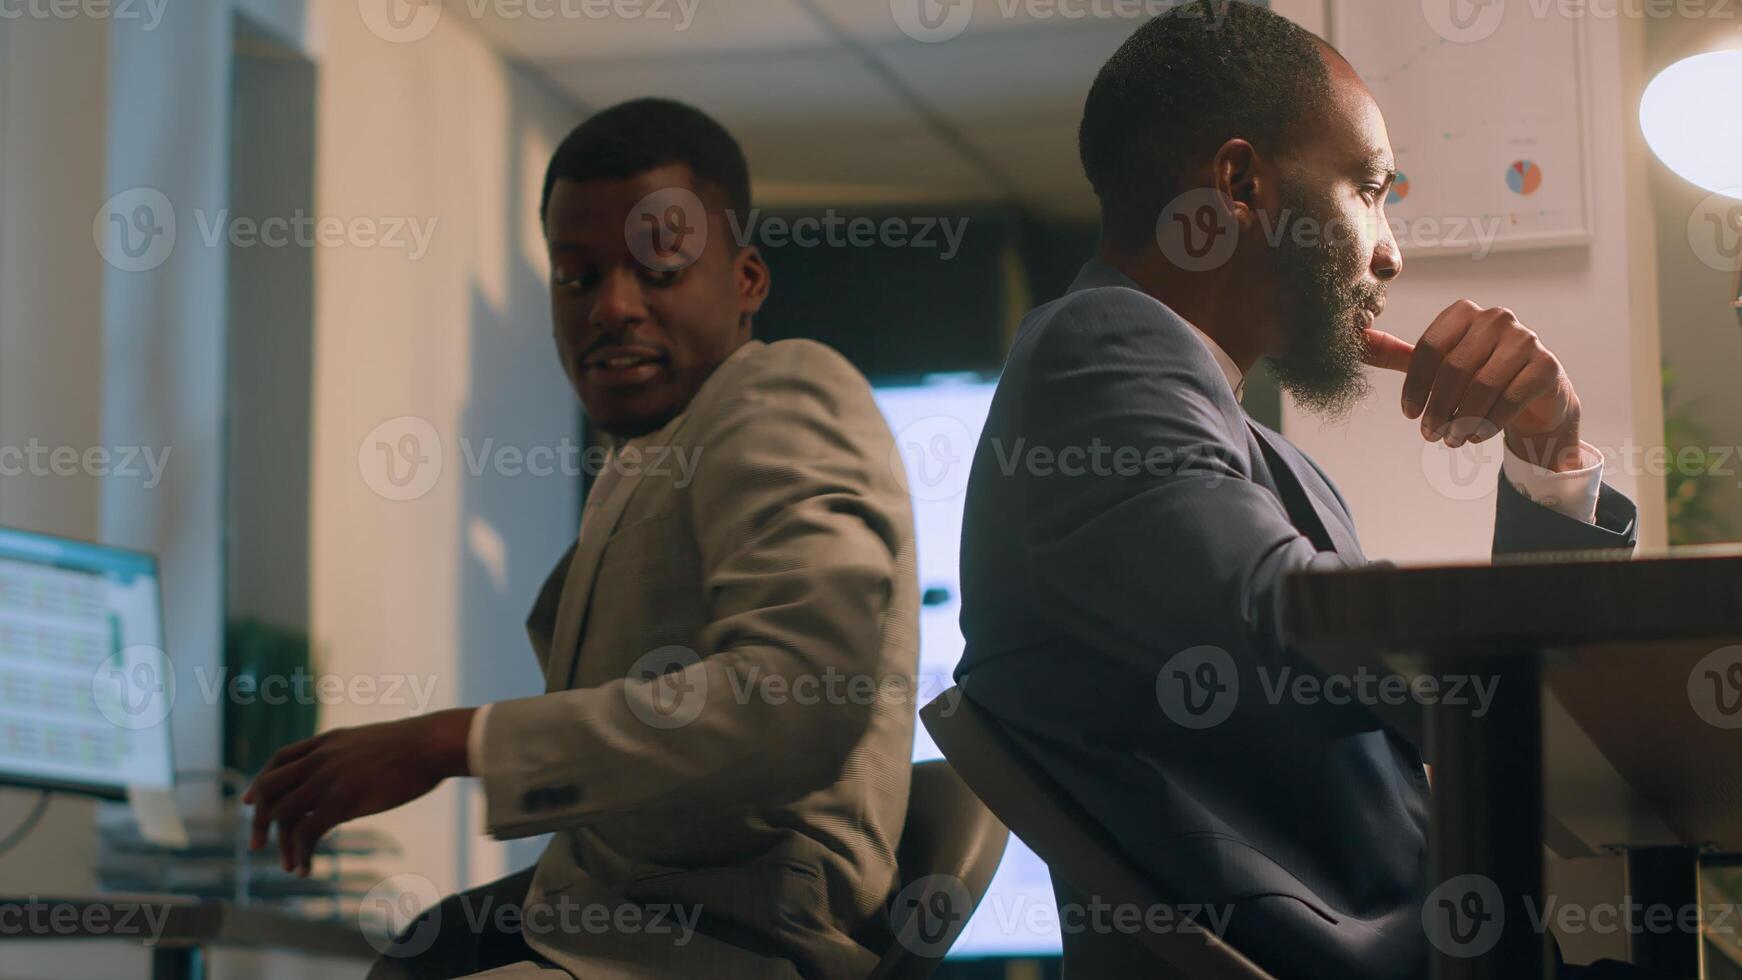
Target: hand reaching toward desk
312 786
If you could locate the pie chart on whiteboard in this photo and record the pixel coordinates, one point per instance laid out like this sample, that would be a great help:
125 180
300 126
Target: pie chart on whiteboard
1524 177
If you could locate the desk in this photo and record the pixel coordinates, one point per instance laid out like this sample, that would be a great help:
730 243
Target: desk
178 929
1645 659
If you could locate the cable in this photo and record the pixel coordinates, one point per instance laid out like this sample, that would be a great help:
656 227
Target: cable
11 840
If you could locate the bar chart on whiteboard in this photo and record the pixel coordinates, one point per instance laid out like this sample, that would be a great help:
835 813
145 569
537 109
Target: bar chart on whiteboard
1485 110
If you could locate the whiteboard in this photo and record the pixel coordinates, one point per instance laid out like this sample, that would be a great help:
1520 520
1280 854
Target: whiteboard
1486 107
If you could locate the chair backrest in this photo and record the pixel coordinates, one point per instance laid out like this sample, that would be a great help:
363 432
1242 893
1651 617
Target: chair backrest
1068 839
948 852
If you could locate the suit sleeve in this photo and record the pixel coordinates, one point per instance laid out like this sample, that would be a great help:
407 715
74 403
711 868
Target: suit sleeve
1521 525
802 532
1183 550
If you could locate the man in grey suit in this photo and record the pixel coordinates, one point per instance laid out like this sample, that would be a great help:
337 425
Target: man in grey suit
1128 525
717 753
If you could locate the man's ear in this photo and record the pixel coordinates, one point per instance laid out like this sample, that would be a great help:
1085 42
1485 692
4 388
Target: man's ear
1237 172
753 277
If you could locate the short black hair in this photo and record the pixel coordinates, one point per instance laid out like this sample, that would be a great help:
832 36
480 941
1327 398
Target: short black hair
1182 85
643 134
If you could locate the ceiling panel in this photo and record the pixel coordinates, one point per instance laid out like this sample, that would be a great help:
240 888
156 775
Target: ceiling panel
816 119
997 103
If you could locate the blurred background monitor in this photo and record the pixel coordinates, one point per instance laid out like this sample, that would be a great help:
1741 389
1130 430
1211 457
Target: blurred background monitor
85 688
937 421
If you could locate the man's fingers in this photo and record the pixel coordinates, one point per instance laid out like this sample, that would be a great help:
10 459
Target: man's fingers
323 818
1441 337
1450 384
1483 412
266 793
1386 352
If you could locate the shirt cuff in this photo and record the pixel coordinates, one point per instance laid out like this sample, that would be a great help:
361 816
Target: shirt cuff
1570 492
475 742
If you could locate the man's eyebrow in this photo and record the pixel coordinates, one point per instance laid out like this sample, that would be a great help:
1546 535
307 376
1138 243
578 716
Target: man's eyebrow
1379 164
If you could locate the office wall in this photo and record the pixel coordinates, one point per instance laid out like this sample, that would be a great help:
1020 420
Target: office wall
451 328
50 335
1594 307
455 343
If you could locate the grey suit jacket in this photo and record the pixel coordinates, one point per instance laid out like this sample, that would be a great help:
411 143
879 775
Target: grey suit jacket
1308 820
692 751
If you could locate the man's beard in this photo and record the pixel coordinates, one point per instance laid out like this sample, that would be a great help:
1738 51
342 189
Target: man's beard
1321 303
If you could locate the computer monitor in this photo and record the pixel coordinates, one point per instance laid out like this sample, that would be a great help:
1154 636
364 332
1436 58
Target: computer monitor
937 421
85 687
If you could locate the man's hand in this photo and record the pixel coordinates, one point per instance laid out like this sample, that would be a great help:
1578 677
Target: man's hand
1479 371
312 786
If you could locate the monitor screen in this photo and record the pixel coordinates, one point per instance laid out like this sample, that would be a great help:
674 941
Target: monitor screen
85 687
937 422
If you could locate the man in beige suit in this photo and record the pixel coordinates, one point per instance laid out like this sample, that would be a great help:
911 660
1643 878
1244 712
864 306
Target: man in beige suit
722 749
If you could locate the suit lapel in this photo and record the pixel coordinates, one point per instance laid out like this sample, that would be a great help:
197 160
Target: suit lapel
604 508
611 493
1331 523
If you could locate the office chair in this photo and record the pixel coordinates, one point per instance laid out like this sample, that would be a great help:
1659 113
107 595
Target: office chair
1082 859
948 852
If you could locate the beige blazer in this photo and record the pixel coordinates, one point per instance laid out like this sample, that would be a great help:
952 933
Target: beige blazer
729 653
